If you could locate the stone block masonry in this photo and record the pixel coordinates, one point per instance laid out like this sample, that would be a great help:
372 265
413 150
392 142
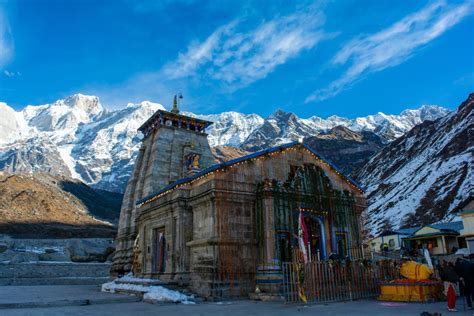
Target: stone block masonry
169 139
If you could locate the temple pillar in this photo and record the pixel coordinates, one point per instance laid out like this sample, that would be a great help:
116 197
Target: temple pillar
269 277
182 224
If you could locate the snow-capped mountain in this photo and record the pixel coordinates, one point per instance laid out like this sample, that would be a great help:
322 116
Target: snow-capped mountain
36 154
282 127
64 115
12 124
230 128
77 136
423 176
106 151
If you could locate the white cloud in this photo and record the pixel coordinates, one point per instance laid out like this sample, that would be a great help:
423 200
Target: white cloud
8 73
393 45
235 54
197 54
11 74
240 57
6 48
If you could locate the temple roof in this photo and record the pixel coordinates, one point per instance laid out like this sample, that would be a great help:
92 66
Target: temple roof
225 164
154 120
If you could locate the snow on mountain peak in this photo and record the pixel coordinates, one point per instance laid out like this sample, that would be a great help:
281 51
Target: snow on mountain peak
8 123
282 115
152 105
87 103
284 126
65 114
229 128
99 146
146 105
12 124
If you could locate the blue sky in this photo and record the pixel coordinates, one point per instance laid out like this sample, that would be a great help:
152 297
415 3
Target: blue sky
349 58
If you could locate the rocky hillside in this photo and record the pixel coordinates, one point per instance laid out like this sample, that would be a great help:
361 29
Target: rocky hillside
79 138
42 205
347 149
424 175
225 153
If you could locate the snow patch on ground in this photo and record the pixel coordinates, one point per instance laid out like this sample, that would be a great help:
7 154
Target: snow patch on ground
112 287
150 293
161 294
40 250
130 278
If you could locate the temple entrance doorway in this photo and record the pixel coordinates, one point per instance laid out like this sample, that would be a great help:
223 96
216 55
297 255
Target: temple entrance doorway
341 244
159 250
316 238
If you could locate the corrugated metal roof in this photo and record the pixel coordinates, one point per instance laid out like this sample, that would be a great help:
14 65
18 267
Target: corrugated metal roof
243 158
408 231
456 226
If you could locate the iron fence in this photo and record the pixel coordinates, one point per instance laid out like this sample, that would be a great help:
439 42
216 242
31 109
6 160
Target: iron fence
330 281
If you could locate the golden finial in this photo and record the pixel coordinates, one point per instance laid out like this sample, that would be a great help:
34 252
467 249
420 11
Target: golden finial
175 105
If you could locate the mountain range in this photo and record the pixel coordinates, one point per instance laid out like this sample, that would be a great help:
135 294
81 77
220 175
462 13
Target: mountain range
80 138
423 176
417 166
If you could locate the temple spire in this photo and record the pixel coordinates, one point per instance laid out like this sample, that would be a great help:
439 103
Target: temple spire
175 105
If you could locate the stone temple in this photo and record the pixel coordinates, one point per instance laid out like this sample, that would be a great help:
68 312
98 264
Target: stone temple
223 229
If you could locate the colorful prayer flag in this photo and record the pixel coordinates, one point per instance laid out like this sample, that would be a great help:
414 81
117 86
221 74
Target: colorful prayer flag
303 236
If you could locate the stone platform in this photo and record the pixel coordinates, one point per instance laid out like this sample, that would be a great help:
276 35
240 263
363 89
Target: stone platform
54 273
57 296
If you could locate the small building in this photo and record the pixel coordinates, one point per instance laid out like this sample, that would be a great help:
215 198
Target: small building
393 239
466 237
439 239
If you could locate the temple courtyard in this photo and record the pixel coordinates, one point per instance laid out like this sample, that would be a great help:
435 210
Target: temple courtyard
88 300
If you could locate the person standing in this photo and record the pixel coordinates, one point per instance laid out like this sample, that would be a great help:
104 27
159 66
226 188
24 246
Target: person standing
465 270
450 278
430 247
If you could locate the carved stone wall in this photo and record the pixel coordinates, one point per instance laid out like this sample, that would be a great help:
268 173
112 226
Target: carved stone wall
212 225
161 161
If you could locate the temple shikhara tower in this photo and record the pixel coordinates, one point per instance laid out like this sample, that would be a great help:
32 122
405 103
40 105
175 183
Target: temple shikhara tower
170 141
224 229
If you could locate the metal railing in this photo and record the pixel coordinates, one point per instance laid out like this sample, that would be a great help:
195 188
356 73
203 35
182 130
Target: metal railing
330 281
